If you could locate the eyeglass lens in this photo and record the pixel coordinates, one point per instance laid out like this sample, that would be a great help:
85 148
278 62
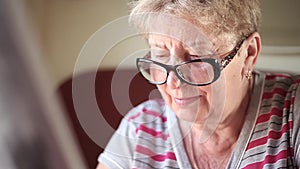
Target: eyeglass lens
197 72
191 72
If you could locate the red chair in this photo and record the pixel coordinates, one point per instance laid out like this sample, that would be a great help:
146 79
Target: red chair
115 91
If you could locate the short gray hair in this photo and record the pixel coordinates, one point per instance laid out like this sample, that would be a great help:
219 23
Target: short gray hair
237 17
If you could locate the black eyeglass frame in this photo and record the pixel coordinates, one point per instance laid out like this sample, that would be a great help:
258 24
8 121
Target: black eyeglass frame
217 66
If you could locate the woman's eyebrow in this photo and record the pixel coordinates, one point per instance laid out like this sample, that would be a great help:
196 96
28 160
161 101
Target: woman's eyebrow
156 44
162 46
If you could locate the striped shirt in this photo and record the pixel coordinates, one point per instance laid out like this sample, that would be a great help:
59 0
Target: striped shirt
149 135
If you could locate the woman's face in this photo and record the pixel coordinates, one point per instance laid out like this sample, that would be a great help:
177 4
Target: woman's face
184 99
195 103
172 41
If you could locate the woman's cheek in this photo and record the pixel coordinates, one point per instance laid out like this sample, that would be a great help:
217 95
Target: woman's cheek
164 94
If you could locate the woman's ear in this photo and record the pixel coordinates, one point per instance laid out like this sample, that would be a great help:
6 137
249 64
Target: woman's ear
252 50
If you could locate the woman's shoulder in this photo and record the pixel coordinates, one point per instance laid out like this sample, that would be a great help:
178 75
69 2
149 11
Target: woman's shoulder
280 88
276 81
278 120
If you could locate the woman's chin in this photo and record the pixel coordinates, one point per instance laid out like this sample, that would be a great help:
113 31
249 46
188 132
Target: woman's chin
191 109
191 113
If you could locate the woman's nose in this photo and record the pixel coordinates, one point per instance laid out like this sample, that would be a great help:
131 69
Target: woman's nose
173 81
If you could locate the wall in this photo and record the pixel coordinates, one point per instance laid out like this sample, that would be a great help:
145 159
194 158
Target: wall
280 35
280 25
65 26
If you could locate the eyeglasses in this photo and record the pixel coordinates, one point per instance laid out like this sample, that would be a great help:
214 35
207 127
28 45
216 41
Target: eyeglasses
198 72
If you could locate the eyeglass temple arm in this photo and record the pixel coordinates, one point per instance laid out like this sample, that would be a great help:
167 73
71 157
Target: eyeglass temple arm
228 58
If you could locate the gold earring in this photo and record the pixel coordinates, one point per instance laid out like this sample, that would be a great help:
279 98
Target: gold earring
248 75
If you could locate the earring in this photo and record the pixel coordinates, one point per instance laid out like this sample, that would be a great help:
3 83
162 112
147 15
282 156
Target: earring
248 75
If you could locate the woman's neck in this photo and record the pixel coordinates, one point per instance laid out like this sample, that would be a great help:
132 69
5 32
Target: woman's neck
211 145
219 142
221 139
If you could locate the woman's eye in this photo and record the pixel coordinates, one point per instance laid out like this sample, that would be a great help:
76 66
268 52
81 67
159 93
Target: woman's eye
192 57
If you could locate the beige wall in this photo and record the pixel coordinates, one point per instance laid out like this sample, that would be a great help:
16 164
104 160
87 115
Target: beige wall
280 22
65 25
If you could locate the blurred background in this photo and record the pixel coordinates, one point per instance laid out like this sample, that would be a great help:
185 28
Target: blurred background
42 42
64 26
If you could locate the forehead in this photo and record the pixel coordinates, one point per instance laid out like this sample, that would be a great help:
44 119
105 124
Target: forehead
163 28
189 45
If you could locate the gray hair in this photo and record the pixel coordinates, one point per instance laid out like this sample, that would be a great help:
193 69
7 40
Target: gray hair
237 17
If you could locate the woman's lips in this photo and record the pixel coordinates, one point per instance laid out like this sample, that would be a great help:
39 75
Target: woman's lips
185 101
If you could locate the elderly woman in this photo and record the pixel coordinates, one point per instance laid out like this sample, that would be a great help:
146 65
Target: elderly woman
216 112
